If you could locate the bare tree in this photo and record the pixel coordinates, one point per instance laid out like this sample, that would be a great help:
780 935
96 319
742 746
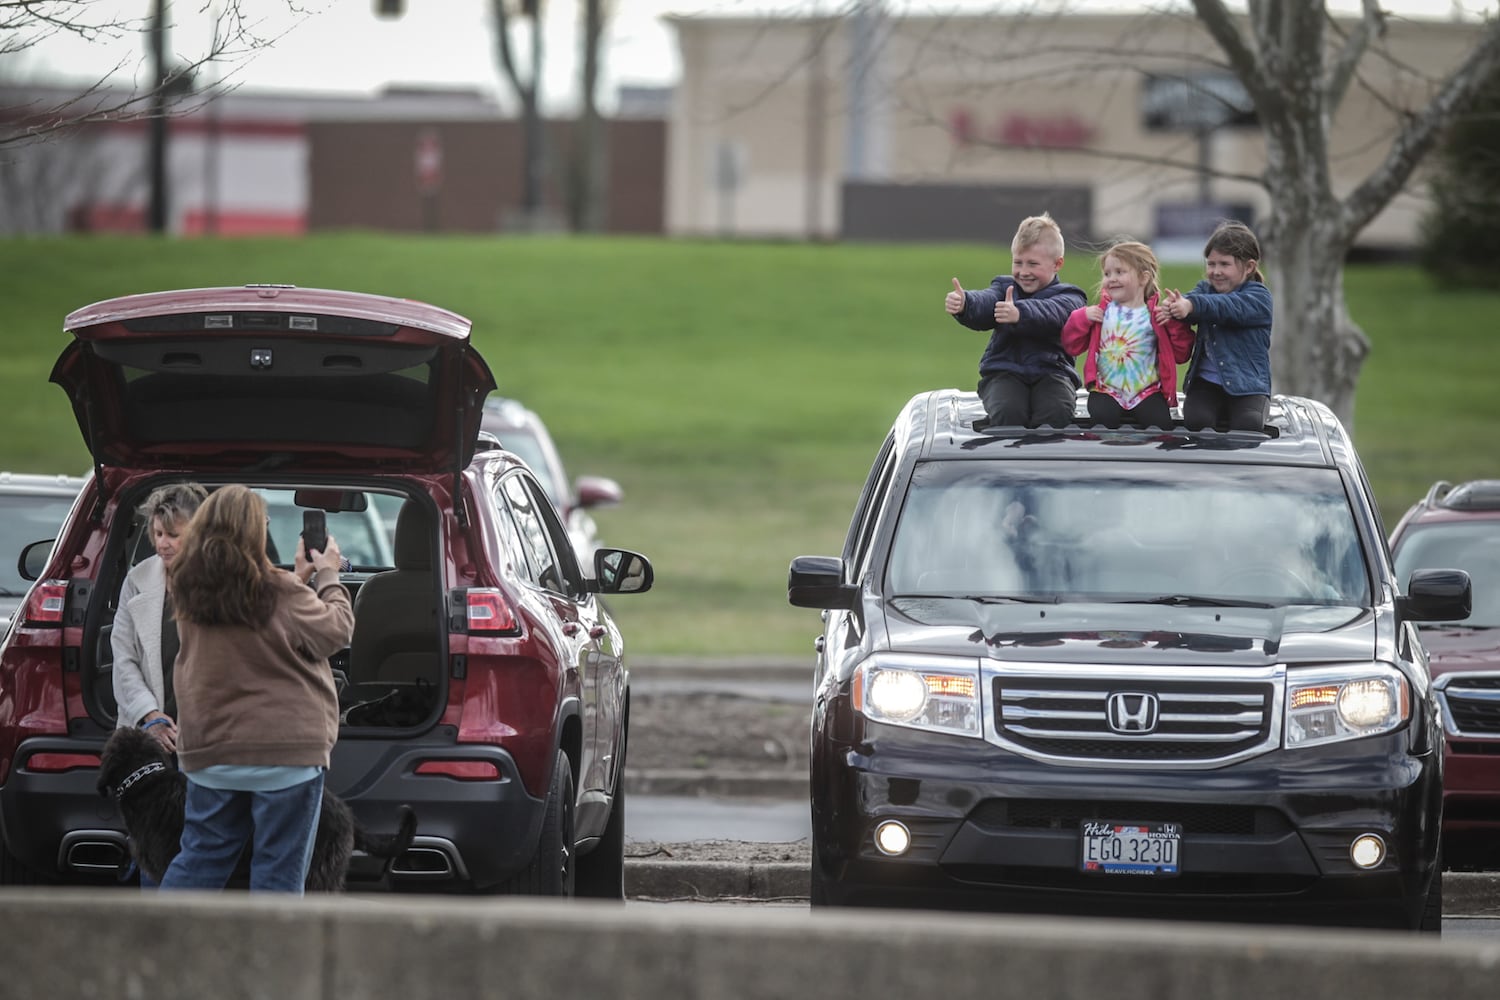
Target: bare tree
27 24
588 164
526 86
1298 71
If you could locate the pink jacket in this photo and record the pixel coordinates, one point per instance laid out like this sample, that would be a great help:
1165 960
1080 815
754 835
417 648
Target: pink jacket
1174 345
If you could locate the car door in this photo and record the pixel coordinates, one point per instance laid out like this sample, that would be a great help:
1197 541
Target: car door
591 644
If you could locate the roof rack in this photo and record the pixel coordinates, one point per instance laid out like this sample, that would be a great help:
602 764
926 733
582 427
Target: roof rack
1477 494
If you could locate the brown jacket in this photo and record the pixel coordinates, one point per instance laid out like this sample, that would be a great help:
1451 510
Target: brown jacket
264 696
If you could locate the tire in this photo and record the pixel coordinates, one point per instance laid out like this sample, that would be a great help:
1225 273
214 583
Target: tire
552 868
13 872
601 872
1432 910
817 884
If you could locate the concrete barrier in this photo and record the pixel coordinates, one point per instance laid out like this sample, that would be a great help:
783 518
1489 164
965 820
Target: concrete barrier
726 784
231 946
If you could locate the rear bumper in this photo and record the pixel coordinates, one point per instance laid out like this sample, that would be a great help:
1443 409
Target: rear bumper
1471 786
57 825
1262 840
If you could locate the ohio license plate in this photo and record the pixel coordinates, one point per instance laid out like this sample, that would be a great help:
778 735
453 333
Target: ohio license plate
1112 847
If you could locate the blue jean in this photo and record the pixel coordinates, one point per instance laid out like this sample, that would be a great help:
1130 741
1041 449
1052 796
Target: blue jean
218 822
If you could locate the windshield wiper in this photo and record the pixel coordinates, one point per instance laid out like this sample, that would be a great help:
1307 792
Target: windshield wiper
1197 601
981 598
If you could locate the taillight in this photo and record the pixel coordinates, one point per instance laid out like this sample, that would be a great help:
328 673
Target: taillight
487 610
56 762
461 770
46 603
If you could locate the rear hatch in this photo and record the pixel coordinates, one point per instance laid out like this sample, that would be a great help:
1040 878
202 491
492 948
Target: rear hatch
273 377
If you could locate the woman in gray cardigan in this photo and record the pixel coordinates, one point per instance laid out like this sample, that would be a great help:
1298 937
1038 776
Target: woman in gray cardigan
144 638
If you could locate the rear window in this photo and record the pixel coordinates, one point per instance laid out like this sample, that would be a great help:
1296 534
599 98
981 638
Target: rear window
1128 531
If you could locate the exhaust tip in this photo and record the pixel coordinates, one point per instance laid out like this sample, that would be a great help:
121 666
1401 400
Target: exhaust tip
93 852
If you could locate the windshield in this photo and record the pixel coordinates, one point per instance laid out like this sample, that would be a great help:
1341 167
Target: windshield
26 518
1472 546
1128 531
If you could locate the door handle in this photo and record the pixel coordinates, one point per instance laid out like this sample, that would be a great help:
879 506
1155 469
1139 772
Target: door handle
818 644
597 632
571 628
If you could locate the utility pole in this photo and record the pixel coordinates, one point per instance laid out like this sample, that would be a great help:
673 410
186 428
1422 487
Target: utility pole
156 136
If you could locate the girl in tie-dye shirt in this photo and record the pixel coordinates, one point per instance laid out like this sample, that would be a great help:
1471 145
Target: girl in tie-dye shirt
1130 356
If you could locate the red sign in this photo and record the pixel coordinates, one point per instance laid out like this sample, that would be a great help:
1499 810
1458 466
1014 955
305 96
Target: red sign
429 161
1062 131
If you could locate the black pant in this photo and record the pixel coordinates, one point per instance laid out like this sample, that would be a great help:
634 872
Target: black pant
1152 411
1012 400
1208 404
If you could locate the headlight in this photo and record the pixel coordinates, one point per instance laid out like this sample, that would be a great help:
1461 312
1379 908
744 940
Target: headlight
924 692
1344 703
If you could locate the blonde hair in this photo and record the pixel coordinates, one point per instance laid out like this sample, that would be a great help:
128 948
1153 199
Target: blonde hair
1138 257
1038 231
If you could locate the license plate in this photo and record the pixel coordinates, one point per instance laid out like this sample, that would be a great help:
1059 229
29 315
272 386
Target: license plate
1112 847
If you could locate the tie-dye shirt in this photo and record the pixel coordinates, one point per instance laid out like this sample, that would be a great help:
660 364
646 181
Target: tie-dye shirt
1127 355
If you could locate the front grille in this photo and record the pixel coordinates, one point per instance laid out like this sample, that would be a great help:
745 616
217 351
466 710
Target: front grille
1068 814
1472 705
1193 719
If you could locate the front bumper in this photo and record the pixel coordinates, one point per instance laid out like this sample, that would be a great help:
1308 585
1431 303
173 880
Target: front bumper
1262 839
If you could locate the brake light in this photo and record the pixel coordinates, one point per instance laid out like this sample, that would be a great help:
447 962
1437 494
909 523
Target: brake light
57 762
462 770
46 603
487 610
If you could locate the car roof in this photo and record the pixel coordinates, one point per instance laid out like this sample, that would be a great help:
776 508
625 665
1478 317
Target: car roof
1477 499
950 424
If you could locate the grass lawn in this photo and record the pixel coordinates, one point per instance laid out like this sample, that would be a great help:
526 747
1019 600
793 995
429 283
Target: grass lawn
737 391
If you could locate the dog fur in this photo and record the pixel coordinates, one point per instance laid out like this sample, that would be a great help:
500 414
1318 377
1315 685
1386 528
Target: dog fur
152 808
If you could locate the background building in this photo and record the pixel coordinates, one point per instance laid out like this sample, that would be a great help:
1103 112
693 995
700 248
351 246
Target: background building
956 126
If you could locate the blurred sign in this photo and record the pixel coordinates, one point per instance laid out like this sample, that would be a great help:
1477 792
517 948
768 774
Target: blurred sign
1196 102
1051 131
1182 227
429 161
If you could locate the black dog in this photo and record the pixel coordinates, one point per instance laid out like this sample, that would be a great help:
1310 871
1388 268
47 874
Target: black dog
138 771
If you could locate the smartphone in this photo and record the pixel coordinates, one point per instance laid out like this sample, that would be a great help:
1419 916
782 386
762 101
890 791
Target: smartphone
314 531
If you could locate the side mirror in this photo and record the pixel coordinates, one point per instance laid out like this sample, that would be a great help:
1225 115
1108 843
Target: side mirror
1437 595
818 582
596 491
620 571
33 560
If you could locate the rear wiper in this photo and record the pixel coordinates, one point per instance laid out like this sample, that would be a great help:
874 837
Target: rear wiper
1197 601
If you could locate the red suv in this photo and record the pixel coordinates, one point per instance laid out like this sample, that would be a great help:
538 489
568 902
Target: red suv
1458 527
485 684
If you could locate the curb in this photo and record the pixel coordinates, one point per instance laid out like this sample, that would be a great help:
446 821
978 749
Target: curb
756 784
706 880
1465 894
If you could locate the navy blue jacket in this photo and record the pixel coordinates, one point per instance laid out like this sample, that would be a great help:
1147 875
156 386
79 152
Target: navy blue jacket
1235 327
1032 346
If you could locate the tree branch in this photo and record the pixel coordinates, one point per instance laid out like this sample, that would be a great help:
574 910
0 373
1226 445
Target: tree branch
1242 57
1421 132
1371 26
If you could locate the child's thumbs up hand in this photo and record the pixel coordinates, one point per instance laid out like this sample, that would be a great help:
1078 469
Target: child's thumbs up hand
954 301
1006 310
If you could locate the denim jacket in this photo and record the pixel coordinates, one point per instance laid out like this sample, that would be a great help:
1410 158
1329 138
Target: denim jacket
1235 327
1033 346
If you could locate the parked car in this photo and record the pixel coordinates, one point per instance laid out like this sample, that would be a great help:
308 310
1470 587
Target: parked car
1458 527
1146 673
32 508
485 684
520 430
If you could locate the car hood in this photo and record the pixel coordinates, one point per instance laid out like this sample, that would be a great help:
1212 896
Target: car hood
274 377
1131 633
1455 649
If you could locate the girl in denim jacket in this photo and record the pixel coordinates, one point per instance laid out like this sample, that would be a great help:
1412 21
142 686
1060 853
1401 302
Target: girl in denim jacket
1229 380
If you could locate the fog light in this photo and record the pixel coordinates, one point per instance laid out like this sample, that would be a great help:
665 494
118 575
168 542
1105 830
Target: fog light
1367 851
892 838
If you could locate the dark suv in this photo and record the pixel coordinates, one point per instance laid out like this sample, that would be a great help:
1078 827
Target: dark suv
1155 673
485 684
1459 527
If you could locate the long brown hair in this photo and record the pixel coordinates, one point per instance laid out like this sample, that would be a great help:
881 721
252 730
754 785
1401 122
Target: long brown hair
1236 240
221 575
